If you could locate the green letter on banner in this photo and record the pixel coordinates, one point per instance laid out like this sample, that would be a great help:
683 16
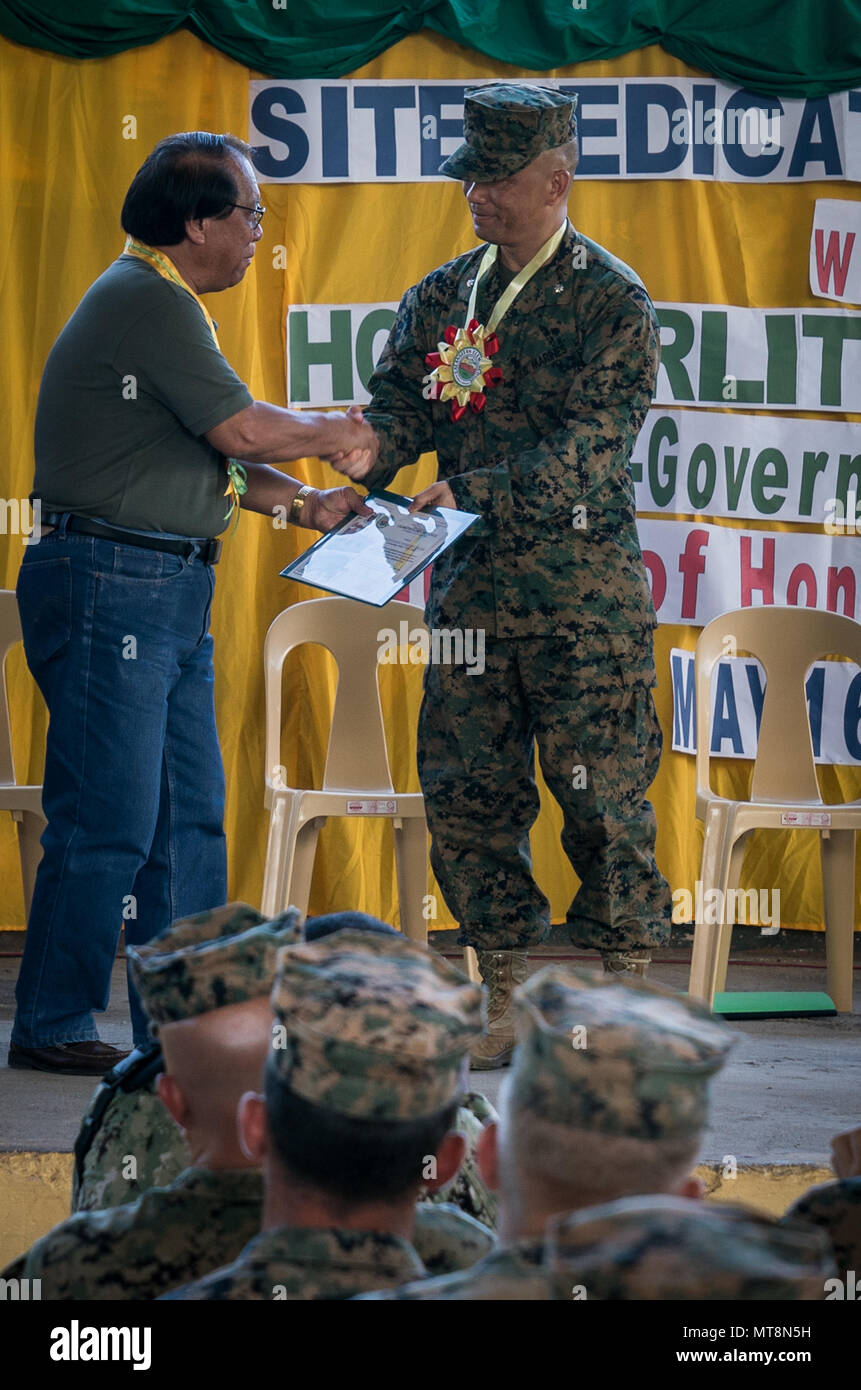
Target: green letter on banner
713 371
672 353
337 353
377 321
782 358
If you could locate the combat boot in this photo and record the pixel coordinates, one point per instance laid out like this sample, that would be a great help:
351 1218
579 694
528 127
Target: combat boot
625 963
501 971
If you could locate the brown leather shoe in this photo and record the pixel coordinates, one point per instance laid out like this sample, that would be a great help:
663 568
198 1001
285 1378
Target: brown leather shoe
90 1058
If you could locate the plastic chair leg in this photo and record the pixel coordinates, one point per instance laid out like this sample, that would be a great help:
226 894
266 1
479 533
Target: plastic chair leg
734 861
273 868
411 863
297 882
837 851
30 827
706 934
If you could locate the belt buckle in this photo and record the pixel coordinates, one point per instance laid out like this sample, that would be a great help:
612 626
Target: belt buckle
211 552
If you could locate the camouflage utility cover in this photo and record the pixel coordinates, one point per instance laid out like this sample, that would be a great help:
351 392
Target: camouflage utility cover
622 1057
209 961
506 125
374 1027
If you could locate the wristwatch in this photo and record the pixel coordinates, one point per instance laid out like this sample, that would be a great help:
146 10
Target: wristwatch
298 503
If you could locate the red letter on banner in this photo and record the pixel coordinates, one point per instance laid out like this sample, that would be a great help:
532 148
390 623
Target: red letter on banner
753 579
692 563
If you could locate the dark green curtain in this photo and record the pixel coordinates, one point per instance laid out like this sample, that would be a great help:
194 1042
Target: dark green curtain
778 47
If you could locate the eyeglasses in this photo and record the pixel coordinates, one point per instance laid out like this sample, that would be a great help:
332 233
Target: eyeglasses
256 213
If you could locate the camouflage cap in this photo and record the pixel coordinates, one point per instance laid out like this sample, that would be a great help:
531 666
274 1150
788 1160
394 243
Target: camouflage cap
224 956
374 1027
672 1248
598 1054
506 125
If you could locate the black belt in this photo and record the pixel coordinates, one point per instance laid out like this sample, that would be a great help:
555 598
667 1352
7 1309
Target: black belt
209 551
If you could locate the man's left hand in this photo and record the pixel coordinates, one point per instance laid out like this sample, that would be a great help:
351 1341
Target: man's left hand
437 495
327 506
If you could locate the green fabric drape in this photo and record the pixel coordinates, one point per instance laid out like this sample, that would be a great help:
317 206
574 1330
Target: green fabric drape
778 47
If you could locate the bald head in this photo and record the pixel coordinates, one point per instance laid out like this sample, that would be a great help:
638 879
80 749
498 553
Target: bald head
210 1061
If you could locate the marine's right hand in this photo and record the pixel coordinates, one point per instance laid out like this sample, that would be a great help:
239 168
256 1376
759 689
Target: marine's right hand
357 461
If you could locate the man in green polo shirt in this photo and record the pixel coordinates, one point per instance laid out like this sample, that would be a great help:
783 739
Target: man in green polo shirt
140 427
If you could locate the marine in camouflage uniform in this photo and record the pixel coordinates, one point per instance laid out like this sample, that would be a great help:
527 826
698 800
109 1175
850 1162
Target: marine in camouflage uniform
552 574
835 1207
375 1032
125 1117
646 1248
617 1071
211 962
202 1221
136 1123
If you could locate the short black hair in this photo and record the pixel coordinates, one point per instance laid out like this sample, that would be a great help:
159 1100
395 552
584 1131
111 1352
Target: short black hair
187 176
354 1159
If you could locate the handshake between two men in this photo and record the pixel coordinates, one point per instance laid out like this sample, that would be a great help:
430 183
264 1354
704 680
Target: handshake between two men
357 463
264 434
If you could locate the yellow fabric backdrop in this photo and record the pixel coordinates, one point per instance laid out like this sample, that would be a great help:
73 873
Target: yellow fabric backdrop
66 164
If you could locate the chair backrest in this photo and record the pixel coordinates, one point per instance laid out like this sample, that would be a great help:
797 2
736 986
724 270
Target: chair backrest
10 633
357 758
787 641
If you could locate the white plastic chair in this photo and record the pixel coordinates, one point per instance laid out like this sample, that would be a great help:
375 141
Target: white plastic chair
357 770
784 791
24 802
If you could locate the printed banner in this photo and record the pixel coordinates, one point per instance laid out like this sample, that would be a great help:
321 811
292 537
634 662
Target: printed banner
711 354
786 359
697 572
833 691
835 250
749 466
350 131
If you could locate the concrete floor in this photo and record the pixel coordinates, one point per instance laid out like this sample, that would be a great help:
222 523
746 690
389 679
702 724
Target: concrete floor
789 1085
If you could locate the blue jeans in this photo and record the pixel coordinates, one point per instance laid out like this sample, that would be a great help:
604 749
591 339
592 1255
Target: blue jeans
117 638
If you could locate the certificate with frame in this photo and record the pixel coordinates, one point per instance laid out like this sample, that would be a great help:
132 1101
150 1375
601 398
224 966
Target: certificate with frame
372 558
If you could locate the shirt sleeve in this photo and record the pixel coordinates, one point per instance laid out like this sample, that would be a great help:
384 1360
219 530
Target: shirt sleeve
173 356
603 413
398 411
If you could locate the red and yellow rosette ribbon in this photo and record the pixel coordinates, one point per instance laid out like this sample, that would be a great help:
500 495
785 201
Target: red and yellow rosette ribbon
462 370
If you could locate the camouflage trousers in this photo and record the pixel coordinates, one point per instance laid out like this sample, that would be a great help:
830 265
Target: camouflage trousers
593 720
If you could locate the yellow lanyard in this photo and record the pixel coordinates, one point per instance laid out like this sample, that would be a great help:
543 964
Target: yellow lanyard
237 478
508 296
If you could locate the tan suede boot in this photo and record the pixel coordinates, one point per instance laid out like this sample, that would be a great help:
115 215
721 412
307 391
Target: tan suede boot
625 963
501 971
